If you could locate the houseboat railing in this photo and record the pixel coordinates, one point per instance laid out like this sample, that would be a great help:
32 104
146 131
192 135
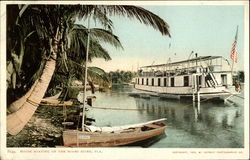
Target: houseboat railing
209 77
179 71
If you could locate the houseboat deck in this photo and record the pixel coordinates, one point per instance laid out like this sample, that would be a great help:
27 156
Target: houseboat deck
205 76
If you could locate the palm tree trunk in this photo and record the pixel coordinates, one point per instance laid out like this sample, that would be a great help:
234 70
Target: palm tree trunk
17 120
18 103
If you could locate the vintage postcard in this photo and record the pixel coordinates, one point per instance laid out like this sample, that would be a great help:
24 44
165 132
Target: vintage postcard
124 80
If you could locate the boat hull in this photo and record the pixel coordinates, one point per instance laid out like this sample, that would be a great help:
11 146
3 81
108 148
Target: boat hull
75 138
185 92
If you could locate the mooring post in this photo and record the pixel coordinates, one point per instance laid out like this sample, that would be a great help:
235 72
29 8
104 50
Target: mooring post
195 112
194 86
193 96
198 96
199 108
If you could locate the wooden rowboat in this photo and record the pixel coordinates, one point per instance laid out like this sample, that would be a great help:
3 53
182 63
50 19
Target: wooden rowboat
113 136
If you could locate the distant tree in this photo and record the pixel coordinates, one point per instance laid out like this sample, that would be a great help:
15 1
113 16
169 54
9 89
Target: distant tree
119 77
241 76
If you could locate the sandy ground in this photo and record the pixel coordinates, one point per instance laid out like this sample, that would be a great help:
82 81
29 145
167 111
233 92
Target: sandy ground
43 130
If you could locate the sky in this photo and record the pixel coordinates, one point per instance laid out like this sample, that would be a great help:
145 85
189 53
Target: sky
208 30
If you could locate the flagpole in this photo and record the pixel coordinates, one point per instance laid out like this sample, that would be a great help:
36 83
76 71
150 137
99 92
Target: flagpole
232 67
234 52
85 76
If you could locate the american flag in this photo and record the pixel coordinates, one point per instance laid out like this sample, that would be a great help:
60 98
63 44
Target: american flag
234 53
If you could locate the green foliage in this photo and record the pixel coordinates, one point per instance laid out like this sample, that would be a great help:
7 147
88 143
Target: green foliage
121 77
241 76
76 72
29 41
31 28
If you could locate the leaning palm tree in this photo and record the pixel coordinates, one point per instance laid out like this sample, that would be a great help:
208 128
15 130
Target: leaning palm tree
52 25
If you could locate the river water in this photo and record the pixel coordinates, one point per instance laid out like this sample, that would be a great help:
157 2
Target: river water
213 124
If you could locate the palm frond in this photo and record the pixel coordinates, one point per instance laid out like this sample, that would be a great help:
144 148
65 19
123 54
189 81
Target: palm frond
97 51
78 42
95 75
144 16
99 76
101 17
98 34
106 36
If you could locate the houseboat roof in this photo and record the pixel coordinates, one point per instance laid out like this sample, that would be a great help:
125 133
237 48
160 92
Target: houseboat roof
200 58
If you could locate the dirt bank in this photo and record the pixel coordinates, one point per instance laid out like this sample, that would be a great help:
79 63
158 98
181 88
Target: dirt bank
43 130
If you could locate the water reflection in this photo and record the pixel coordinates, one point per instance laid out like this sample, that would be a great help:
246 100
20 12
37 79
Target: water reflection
180 113
206 121
189 124
197 111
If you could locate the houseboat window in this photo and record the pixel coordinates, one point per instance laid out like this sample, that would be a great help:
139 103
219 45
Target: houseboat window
224 79
159 82
142 81
200 80
147 82
152 81
172 82
138 80
206 70
186 81
165 82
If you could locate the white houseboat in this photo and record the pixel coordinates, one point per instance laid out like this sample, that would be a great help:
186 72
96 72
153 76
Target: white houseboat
201 77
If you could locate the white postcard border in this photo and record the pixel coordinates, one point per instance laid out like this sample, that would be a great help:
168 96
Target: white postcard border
122 153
